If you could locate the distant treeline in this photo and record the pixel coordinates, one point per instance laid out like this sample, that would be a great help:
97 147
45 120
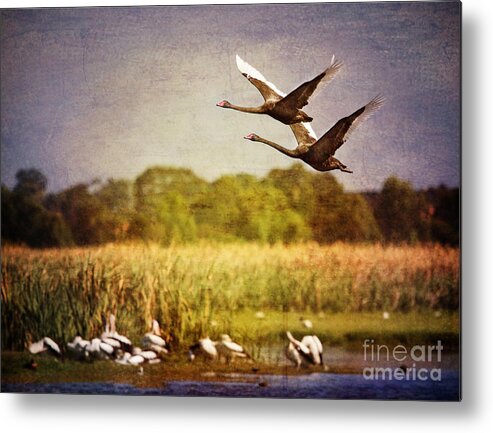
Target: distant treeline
173 205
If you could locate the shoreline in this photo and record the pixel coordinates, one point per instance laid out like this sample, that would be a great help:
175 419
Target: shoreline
172 369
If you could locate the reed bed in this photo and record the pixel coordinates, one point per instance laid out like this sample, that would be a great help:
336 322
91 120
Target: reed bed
192 289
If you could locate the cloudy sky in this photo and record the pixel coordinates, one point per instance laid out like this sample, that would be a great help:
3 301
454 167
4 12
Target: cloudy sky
108 92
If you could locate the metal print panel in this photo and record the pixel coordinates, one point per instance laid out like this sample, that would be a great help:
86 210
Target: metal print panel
244 200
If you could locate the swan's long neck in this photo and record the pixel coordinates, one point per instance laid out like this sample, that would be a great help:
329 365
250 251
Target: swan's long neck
292 153
246 109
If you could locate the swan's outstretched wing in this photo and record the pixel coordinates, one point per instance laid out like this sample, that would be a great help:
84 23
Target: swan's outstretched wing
304 134
267 89
339 133
369 110
298 98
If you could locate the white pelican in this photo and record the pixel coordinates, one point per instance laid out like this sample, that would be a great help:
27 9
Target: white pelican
161 351
47 345
112 337
316 349
125 342
100 349
139 357
293 355
154 341
205 347
79 342
230 349
148 355
115 344
307 323
123 358
300 347
310 348
136 359
78 347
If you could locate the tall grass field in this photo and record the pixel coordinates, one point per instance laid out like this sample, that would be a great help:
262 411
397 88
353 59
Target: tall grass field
254 292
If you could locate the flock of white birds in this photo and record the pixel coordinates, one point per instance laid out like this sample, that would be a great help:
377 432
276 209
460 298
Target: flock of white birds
109 345
112 345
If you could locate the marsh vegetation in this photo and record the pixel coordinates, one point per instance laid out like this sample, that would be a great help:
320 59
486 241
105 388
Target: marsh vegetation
210 289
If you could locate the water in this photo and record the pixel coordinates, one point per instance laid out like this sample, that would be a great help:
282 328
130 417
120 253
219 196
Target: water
316 385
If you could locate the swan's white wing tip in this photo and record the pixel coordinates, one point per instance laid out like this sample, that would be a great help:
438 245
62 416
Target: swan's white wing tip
375 104
369 110
309 130
248 70
241 64
379 100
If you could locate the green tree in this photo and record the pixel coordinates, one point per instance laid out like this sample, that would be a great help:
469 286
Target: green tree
444 210
400 212
25 219
218 212
10 217
336 215
174 215
89 220
298 186
118 199
327 214
153 185
243 207
165 200
31 183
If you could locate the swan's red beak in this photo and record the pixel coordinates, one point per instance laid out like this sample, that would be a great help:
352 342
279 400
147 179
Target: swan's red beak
248 137
221 104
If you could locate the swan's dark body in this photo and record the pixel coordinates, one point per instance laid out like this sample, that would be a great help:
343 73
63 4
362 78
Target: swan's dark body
319 154
282 107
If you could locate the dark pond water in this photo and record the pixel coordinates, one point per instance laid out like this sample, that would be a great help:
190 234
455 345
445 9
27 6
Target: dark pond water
316 385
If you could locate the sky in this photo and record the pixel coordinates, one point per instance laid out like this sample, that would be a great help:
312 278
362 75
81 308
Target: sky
108 92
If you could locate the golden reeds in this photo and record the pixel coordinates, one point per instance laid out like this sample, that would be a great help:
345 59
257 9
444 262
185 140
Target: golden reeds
190 288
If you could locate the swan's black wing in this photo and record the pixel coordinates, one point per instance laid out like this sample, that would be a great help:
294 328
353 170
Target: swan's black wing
298 98
265 90
336 136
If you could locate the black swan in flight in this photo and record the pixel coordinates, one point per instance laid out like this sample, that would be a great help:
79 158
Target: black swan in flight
282 107
320 153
